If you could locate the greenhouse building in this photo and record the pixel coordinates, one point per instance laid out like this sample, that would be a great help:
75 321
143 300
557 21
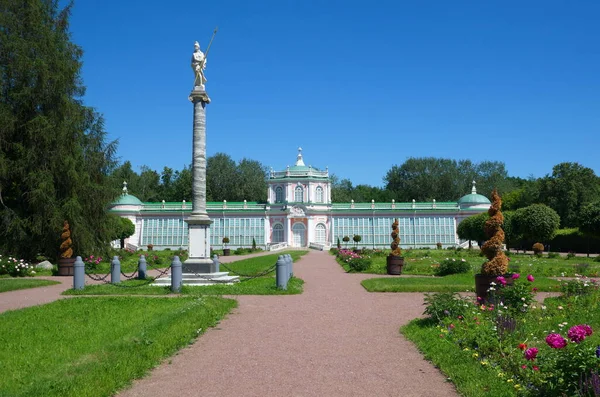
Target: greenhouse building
299 213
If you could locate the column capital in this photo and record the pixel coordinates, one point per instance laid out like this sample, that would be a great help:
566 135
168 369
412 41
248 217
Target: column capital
198 94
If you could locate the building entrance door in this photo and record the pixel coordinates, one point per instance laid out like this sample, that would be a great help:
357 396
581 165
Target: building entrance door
299 234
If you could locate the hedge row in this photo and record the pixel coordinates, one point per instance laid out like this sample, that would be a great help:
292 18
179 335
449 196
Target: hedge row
565 240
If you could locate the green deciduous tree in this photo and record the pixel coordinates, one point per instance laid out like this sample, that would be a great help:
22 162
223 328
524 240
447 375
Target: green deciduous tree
121 228
428 178
471 228
568 189
589 222
537 223
54 157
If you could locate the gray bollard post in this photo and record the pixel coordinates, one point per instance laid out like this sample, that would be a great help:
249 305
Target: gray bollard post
291 265
78 274
142 268
176 275
115 270
281 274
216 262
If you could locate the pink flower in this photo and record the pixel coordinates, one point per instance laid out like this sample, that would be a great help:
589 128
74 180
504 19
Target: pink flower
556 341
536 368
587 328
515 276
530 278
577 333
524 366
531 353
501 280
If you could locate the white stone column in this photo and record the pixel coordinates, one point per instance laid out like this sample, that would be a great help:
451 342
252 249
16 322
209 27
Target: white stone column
199 260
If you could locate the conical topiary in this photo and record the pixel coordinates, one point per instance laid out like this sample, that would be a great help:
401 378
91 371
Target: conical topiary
65 246
497 263
395 246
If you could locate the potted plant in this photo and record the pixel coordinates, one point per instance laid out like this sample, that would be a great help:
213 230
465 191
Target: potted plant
395 261
497 263
356 238
226 250
339 245
66 260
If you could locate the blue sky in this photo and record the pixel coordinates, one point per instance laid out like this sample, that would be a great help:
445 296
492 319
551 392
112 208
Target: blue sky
361 86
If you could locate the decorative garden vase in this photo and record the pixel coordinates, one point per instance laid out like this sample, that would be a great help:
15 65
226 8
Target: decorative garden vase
394 264
226 251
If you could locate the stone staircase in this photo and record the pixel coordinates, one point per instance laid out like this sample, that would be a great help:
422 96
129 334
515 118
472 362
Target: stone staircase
200 279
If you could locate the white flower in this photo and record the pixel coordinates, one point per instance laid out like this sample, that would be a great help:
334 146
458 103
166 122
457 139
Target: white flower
523 299
525 305
543 307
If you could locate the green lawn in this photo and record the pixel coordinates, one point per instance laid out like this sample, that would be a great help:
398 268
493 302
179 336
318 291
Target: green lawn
96 346
264 285
424 261
452 283
12 284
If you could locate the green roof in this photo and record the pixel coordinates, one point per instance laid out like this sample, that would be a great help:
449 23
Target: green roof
441 206
473 199
128 199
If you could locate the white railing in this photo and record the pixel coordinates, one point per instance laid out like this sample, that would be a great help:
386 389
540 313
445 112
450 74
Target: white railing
465 244
277 246
131 246
319 246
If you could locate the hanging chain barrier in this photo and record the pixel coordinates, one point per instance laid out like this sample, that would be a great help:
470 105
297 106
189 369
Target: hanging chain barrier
247 277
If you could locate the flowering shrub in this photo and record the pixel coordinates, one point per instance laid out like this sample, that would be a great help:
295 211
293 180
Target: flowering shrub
15 267
92 262
514 299
356 262
452 266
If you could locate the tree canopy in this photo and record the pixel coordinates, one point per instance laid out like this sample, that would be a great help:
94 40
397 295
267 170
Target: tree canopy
54 157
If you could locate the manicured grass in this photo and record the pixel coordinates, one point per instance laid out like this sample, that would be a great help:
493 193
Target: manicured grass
469 377
452 283
264 285
12 284
424 262
257 286
96 346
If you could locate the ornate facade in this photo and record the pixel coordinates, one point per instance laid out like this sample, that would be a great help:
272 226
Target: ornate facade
299 213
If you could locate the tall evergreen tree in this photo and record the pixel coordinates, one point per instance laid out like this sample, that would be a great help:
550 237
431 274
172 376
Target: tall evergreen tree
54 158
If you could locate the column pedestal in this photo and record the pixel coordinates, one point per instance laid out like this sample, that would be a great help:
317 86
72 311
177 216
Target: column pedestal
199 260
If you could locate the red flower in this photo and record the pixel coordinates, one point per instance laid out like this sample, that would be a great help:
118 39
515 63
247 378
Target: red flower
522 346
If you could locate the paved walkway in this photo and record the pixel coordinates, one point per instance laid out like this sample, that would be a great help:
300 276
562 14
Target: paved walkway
335 339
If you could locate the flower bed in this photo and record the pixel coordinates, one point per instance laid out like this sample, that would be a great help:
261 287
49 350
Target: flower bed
549 349
353 261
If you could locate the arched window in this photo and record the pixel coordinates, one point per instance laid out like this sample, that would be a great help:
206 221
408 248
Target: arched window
319 194
278 233
279 194
320 235
299 194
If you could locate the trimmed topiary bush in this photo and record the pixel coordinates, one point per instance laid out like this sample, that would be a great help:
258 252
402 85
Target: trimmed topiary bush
497 263
65 247
538 248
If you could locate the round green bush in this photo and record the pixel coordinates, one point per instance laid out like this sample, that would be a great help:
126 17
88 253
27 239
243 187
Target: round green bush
452 266
359 264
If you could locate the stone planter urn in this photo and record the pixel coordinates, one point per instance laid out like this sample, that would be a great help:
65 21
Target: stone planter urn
226 251
394 264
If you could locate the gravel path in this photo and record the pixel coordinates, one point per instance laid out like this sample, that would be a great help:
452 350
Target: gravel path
335 339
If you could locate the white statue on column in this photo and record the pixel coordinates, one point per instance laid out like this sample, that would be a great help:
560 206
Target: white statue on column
198 66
